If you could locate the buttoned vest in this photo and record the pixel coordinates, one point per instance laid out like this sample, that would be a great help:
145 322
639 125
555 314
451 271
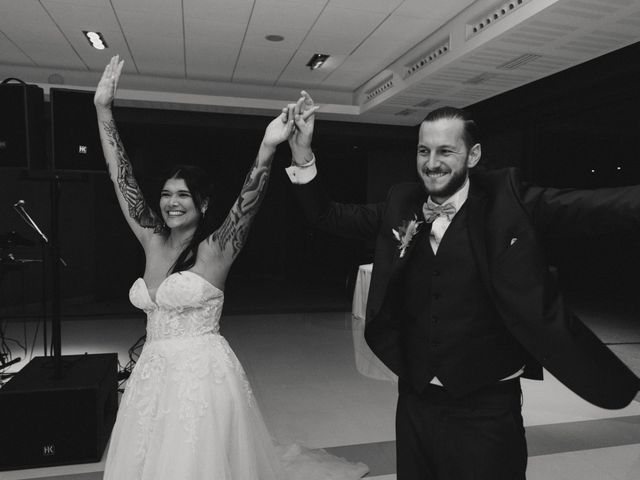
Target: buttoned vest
449 326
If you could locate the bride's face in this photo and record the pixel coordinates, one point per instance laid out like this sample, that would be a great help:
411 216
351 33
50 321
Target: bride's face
177 205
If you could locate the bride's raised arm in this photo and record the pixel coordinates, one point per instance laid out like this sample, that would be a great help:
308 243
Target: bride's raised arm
227 241
140 217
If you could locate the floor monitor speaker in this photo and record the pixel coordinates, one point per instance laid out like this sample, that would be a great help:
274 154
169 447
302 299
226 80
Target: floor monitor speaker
49 421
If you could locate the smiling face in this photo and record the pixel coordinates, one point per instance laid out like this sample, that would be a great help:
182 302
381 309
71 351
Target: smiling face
177 205
443 159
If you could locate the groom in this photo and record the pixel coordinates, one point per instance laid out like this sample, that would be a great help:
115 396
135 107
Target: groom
462 303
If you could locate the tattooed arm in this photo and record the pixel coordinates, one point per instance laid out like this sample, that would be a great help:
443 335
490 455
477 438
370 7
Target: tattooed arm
228 240
140 217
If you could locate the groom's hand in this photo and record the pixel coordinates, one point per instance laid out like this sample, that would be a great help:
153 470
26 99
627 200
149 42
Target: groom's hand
300 140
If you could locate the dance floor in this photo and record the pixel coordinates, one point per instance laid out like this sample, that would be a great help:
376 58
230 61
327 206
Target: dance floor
302 369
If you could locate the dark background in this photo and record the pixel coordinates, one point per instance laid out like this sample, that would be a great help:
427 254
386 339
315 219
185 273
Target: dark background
556 130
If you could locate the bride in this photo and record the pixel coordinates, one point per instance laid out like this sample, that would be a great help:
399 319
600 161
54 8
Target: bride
188 411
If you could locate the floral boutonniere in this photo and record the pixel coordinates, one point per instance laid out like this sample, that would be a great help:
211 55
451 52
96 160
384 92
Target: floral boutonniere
405 233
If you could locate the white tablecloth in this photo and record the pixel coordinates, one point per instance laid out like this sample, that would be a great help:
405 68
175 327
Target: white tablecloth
366 362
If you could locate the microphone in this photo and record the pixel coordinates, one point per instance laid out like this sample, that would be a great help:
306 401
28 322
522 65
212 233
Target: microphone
19 208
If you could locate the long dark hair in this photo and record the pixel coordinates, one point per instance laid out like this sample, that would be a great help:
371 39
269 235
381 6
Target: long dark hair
201 190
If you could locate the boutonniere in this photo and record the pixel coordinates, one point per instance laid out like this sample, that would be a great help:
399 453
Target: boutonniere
405 233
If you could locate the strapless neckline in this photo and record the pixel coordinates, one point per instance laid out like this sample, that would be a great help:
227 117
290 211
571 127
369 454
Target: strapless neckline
153 299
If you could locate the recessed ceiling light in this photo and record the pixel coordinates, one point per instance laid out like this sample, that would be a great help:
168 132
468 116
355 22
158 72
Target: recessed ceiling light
96 40
274 38
317 60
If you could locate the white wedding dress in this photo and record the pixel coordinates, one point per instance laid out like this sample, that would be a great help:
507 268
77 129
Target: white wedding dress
188 412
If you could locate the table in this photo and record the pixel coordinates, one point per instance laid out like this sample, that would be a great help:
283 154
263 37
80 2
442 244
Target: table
366 362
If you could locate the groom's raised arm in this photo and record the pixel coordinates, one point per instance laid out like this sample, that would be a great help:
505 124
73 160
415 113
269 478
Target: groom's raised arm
350 220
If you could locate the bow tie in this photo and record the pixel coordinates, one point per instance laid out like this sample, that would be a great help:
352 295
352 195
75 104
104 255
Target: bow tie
432 211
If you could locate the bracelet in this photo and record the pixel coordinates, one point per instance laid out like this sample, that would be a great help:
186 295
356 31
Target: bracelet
306 165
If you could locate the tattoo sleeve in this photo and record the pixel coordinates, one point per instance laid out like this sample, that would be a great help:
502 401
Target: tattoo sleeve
233 232
139 210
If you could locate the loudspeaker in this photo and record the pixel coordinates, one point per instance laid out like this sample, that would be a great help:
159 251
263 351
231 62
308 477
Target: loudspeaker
50 421
74 132
22 140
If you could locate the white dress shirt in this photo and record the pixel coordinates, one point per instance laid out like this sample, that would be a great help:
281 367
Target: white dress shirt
440 224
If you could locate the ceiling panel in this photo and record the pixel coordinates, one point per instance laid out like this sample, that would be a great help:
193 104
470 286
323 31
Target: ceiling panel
437 12
28 22
375 54
404 29
261 65
167 6
83 3
223 34
382 51
233 11
82 17
207 60
157 55
275 16
53 55
375 6
331 44
340 20
11 53
151 23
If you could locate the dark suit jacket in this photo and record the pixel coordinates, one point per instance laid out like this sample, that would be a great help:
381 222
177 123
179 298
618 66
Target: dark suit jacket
506 221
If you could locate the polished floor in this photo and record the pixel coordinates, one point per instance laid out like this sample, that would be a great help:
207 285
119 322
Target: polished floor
302 369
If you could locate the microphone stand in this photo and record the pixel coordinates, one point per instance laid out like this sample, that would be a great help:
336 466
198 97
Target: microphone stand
54 262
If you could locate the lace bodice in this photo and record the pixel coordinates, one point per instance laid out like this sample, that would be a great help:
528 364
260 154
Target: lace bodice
186 305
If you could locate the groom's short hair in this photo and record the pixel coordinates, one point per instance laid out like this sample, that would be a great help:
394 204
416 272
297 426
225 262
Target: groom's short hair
471 134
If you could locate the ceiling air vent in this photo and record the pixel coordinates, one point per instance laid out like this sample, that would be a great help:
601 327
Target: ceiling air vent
406 112
482 78
519 61
372 93
426 58
426 103
491 17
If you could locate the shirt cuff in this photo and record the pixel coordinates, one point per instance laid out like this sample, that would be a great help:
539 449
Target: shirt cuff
301 174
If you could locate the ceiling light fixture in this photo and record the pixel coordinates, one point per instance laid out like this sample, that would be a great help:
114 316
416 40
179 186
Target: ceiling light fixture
96 40
317 60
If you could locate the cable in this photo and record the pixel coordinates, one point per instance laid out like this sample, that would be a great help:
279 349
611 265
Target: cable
134 355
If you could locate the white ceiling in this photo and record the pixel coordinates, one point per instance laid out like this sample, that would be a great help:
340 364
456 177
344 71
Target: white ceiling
391 61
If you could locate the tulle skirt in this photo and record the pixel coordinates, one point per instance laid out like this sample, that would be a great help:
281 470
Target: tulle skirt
188 413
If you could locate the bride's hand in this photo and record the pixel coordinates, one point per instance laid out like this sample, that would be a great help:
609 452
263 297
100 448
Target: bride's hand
279 129
106 89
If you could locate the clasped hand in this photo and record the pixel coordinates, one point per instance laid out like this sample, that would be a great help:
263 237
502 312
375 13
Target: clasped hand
295 124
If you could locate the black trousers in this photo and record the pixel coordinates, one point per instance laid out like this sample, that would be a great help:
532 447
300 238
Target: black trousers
477 437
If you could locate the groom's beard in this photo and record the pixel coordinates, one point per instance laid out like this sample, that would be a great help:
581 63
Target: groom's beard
456 181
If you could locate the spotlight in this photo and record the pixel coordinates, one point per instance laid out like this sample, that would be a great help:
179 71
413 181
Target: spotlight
96 40
317 60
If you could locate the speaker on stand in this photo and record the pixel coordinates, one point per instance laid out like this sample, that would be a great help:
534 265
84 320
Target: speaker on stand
74 132
22 138
58 410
